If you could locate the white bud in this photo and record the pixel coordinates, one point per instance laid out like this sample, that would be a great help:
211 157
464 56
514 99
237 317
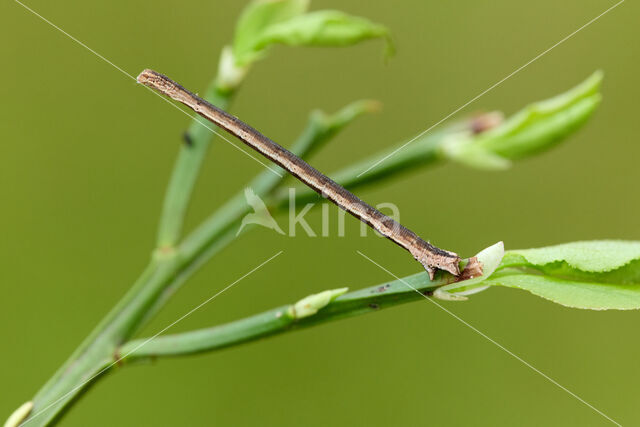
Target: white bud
310 305
490 259
229 74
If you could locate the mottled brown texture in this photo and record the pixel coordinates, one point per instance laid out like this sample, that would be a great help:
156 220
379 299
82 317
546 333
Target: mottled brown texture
429 256
471 270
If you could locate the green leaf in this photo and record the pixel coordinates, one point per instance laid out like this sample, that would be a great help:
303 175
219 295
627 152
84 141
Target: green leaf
535 128
575 293
268 22
325 126
255 19
464 151
596 275
589 256
541 125
323 28
310 305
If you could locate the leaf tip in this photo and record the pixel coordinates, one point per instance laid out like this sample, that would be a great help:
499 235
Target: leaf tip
596 77
371 106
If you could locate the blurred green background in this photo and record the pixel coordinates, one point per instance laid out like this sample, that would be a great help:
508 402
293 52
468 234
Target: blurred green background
86 153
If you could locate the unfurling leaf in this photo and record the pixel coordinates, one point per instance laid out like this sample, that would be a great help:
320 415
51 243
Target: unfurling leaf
255 19
464 151
310 305
323 126
268 22
597 275
542 124
489 259
323 28
535 128
328 125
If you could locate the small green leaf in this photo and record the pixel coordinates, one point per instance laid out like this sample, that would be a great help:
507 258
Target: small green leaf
596 275
464 151
310 305
541 125
268 22
325 126
323 28
535 128
336 121
329 124
255 19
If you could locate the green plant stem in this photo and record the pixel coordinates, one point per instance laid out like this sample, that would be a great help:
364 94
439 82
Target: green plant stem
171 266
186 169
278 320
167 270
98 348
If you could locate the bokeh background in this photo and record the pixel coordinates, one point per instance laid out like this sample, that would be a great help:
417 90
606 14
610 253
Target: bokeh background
85 154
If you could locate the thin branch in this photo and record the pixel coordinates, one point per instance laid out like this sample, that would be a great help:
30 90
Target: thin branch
282 319
195 145
164 275
535 128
